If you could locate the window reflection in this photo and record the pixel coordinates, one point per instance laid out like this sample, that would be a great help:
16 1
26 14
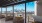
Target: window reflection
3 10
2 15
19 12
30 11
0 10
9 14
9 10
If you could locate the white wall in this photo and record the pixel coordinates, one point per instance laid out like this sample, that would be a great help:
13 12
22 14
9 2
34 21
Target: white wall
35 6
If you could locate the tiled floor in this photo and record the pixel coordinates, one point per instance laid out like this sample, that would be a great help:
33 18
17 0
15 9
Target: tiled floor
9 22
3 21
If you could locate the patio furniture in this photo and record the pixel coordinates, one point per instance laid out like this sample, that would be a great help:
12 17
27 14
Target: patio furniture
9 18
18 20
2 16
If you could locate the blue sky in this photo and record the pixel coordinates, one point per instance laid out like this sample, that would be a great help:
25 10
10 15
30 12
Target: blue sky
29 7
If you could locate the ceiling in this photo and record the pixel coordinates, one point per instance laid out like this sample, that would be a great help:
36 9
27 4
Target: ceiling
4 3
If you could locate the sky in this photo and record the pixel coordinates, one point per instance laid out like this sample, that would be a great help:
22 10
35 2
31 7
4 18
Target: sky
29 7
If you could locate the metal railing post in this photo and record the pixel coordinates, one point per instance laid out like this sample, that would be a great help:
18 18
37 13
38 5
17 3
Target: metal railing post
25 13
6 13
1 10
13 14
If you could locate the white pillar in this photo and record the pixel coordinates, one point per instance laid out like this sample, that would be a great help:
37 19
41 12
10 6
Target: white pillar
35 7
38 8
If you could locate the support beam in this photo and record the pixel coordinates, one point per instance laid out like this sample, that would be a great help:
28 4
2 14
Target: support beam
6 14
25 13
13 14
1 10
35 6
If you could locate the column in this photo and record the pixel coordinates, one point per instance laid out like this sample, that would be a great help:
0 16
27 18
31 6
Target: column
35 7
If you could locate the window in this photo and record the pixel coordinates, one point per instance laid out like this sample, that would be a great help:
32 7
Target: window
19 11
30 11
0 10
3 10
9 14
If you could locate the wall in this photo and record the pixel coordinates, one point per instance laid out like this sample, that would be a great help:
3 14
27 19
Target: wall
39 8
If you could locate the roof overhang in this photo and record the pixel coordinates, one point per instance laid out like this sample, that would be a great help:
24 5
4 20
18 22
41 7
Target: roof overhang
5 3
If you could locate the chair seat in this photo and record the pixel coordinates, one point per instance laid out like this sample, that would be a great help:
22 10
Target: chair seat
9 18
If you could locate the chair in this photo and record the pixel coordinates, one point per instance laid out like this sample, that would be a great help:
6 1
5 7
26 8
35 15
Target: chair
18 20
9 18
2 16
